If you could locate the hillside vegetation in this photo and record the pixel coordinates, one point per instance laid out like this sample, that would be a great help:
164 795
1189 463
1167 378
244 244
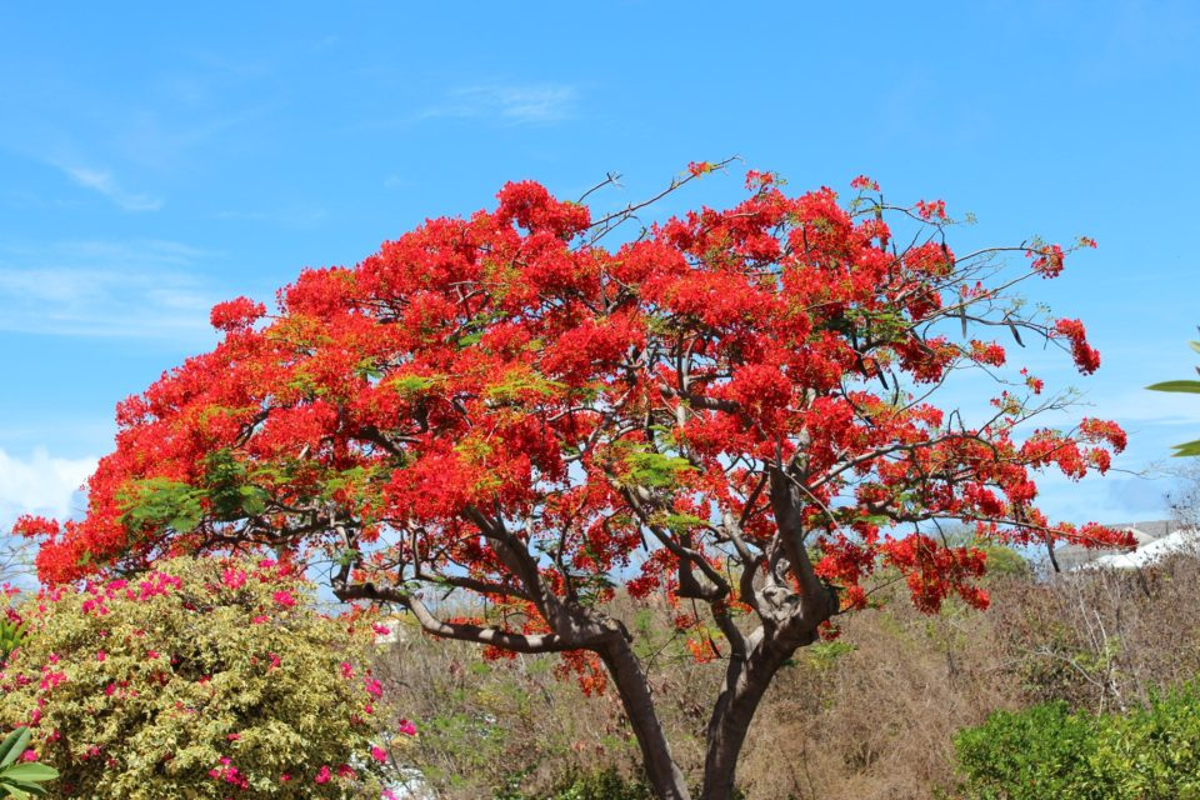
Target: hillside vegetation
889 696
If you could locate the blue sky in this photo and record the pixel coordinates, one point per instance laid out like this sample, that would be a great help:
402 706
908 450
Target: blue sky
158 158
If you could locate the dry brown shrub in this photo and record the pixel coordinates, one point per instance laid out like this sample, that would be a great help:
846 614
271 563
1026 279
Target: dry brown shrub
869 717
876 721
1105 639
487 725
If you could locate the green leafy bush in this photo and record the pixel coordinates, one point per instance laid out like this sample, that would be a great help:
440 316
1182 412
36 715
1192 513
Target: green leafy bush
607 784
20 779
1153 753
1046 752
1041 752
200 679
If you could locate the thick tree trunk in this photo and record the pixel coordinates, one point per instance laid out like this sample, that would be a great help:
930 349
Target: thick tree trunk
745 684
666 778
747 680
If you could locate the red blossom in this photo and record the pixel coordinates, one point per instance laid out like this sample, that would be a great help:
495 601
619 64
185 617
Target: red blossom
1086 357
863 182
237 314
931 209
1049 261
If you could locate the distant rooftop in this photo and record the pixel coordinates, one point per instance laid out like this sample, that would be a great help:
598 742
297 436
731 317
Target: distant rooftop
1182 540
1155 539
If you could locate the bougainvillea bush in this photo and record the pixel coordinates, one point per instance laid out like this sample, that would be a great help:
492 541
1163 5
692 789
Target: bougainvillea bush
197 679
737 408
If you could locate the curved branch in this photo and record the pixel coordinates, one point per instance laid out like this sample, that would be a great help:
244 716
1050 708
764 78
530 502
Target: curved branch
463 632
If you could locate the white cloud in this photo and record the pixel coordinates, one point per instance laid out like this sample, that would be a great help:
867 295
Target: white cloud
102 181
42 484
514 103
138 288
294 216
1142 406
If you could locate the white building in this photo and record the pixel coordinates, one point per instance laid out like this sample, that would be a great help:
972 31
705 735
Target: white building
1156 540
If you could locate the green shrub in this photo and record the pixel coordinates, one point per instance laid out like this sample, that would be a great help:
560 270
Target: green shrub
605 784
1154 753
1048 753
1041 752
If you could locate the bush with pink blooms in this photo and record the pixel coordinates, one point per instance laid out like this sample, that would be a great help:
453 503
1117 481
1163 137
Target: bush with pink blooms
198 679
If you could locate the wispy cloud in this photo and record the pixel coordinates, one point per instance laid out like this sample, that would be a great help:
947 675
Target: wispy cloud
1141 407
297 216
138 288
513 103
41 484
102 181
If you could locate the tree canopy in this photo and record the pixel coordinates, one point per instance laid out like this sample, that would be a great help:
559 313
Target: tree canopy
734 407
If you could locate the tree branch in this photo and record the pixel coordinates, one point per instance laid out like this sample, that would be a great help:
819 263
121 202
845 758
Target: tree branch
463 632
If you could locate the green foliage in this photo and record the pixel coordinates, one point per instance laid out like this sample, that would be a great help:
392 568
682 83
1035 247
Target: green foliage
21 779
358 482
824 655
150 685
602 785
1037 754
684 523
654 470
606 785
226 491
1003 560
468 740
1048 753
12 633
517 384
162 501
1190 387
412 386
1154 753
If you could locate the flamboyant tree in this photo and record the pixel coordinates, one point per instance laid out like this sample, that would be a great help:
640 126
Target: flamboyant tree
735 407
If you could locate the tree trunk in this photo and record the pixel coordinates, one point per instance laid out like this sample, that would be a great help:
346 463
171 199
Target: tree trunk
745 684
666 778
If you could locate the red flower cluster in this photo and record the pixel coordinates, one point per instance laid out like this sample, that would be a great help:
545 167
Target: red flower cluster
237 314
863 182
1087 358
932 209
